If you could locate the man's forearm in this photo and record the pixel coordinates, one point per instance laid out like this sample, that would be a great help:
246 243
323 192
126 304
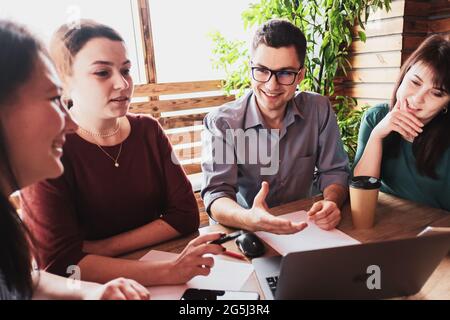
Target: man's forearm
336 193
228 212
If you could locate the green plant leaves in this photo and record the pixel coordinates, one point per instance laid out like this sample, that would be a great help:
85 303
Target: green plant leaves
362 36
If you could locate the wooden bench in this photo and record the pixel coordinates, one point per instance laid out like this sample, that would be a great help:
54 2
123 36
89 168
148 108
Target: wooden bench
180 109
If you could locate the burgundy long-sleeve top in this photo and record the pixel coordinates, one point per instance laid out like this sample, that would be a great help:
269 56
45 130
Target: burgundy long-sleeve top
94 200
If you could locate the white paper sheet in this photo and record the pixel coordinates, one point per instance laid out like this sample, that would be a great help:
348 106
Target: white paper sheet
311 238
225 275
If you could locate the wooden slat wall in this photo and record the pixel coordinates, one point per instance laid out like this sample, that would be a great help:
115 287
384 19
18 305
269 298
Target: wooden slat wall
204 218
376 62
150 90
391 37
183 130
155 107
423 18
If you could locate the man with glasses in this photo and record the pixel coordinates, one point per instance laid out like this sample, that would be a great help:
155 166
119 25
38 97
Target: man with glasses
297 129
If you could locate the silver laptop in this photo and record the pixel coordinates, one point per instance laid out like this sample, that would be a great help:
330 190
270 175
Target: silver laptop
365 271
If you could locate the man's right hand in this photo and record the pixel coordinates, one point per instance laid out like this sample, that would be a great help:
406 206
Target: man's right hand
259 219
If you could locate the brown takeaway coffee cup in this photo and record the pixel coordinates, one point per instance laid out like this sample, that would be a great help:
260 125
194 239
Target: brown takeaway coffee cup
363 200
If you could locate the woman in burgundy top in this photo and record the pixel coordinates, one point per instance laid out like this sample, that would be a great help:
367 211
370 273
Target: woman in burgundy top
121 190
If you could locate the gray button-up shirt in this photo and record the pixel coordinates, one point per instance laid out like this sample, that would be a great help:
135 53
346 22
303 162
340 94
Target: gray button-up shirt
306 153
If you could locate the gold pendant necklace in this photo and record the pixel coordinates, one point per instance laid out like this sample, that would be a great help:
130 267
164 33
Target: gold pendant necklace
116 160
106 135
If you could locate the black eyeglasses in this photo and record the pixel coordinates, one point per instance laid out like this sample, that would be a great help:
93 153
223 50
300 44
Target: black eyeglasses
284 77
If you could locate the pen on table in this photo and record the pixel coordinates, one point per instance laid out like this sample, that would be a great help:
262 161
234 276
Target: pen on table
233 255
227 237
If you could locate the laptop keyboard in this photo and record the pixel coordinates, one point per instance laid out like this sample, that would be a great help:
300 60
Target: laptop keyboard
272 282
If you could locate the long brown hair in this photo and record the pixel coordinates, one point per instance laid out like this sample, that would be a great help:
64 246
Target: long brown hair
18 55
432 143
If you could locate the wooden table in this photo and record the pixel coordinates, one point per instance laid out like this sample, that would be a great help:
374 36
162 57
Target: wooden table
395 218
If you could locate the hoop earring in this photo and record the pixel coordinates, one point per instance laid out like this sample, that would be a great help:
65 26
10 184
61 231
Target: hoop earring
445 111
